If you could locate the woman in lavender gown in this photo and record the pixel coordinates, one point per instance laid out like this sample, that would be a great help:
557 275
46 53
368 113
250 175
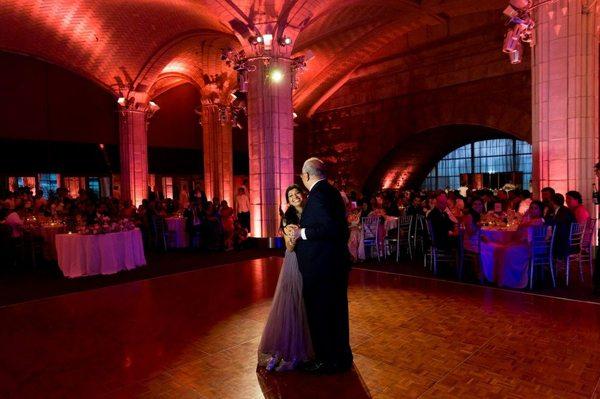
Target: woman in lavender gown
285 341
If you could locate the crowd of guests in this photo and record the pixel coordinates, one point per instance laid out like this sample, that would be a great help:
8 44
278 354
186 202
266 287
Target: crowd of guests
460 213
210 224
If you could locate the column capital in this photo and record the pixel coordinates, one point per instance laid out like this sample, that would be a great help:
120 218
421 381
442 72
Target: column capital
137 102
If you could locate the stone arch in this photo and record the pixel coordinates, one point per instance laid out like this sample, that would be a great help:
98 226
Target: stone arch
407 165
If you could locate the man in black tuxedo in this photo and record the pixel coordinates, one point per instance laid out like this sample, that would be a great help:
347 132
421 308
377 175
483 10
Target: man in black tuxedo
324 262
561 218
444 229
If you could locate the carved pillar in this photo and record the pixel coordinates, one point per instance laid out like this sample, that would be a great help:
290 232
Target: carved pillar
134 155
270 142
218 152
565 98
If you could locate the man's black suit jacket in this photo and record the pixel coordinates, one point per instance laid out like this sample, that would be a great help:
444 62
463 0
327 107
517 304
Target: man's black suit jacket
325 250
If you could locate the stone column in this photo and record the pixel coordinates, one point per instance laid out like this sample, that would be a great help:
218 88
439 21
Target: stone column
134 155
565 98
270 143
218 152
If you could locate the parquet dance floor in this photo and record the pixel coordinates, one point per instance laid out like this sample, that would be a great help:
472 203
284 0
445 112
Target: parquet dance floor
194 335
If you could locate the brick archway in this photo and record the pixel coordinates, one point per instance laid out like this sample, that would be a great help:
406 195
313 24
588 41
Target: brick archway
407 165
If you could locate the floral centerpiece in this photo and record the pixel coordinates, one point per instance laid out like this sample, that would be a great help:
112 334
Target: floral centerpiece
104 225
509 220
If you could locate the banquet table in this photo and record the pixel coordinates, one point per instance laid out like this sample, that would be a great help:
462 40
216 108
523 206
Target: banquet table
86 255
178 236
504 257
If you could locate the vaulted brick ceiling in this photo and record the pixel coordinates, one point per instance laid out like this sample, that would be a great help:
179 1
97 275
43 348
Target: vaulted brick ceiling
161 43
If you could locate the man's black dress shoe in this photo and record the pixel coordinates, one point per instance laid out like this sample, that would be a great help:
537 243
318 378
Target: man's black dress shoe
321 367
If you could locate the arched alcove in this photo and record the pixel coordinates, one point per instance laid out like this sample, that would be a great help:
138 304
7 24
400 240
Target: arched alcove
408 164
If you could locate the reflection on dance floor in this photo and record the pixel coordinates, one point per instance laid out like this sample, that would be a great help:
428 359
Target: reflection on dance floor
195 334
302 385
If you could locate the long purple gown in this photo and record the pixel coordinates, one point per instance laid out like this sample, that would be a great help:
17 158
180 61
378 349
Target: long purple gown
285 341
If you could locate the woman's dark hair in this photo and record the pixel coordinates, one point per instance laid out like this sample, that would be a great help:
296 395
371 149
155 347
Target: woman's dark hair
290 216
539 204
475 215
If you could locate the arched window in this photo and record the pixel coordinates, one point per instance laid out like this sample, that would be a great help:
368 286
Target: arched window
489 157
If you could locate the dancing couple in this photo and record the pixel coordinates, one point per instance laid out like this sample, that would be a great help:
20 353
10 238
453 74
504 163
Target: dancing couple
307 328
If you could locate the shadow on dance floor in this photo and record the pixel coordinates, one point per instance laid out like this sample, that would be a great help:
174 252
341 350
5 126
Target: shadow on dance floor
292 385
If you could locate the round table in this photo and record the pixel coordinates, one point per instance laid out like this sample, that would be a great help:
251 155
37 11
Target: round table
178 236
85 255
504 257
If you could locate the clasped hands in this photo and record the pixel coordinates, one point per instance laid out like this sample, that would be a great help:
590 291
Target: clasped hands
292 231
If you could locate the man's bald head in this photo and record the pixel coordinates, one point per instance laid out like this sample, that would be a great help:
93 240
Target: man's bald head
315 168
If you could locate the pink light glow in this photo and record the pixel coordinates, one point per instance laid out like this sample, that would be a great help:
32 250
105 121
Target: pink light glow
175 66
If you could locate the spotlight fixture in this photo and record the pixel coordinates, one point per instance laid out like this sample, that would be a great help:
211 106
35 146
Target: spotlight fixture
255 40
521 27
276 75
153 106
294 115
122 101
285 41
516 56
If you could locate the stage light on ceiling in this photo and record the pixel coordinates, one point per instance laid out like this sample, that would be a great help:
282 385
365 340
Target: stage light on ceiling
233 96
122 101
521 28
285 41
516 56
254 40
153 106
294 115
276 75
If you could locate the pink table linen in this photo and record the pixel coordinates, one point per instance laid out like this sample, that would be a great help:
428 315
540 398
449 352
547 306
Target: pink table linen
87 255
504 257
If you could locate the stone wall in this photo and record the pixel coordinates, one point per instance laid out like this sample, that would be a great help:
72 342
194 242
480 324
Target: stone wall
391 104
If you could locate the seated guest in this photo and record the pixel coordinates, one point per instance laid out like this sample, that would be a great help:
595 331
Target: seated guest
472 227
514 200
128 211
547 193
416 207
376 208
574 202
533 216
560 218
444 229
15 221
212 230
193 221
364 208
525 202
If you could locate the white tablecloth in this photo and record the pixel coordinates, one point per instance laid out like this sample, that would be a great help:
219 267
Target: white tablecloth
86 255
504 258
178 236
